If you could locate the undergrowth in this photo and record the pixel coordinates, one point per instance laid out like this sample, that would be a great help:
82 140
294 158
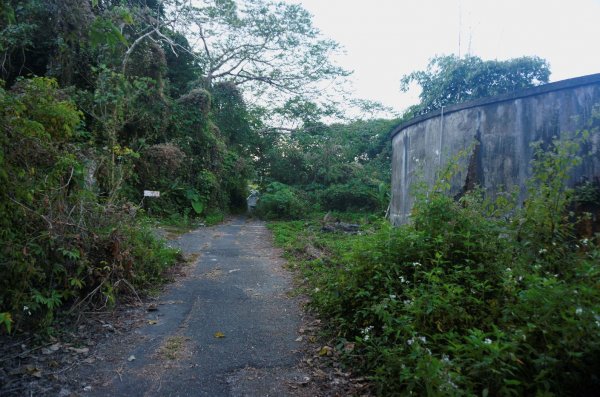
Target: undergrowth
61 245
465 300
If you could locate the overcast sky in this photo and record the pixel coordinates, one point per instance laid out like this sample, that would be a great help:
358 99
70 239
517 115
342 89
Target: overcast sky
386 39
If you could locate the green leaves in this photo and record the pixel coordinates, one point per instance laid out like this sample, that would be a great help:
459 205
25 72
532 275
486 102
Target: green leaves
465 300
197 206
51 301
55 236
281 202
450 80
6 321
195 200
103 32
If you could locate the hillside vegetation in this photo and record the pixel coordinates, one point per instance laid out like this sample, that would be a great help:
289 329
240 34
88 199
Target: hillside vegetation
104 99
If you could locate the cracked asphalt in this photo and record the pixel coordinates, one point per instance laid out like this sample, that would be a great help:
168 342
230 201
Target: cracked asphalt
228 328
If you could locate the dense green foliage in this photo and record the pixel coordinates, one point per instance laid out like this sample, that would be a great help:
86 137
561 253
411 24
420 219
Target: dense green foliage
59 243
281 201
343 167
465 300
449 79
125 105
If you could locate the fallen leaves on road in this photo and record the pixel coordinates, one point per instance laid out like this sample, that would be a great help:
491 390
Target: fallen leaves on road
219 335
83 350
33 371
325 351
51 349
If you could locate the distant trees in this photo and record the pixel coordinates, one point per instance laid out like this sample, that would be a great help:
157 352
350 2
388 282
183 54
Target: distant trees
344 167
449 79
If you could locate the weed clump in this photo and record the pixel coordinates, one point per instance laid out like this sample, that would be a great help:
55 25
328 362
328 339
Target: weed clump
469 301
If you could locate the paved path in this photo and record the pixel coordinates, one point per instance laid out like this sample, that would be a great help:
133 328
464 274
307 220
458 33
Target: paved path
227 329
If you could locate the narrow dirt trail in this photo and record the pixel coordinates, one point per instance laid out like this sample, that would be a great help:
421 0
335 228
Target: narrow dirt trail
228 328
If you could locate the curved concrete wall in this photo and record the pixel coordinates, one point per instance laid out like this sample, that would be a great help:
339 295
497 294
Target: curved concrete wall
500 131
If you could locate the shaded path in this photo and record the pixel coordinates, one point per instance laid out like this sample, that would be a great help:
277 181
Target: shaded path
236 289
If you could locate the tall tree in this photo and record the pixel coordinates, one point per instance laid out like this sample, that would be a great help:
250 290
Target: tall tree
264 46
449 79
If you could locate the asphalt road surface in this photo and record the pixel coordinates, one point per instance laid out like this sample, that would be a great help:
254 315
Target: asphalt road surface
229 328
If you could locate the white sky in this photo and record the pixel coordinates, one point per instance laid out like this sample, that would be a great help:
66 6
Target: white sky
386 39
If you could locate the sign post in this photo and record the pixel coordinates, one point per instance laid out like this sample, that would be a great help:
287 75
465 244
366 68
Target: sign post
151 193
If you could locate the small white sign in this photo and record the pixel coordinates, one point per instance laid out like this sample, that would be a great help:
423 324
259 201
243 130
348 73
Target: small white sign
151 193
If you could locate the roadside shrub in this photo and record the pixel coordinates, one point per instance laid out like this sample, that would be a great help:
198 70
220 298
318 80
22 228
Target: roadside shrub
281 202
60 246
468 301
349 197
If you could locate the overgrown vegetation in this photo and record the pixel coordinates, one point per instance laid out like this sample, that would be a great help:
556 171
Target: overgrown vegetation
126 104
465 300
341 167
103 99
61 245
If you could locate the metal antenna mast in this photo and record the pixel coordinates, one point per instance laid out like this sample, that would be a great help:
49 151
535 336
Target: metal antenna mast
459 25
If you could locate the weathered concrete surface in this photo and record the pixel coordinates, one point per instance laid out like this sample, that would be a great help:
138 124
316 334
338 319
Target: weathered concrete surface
498 133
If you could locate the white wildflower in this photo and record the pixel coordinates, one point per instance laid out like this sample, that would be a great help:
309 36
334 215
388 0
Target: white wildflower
542 251
410 341
585 241
392 297
578 311
487 341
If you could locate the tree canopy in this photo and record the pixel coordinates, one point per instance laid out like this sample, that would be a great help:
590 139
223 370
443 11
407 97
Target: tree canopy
262 44
448 79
